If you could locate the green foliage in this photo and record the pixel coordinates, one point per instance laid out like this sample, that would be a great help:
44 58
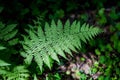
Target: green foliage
102 16
43 46
2 47
58 14
17 73
113 14
102 13
108 52
97 52
35 77
100 3
8 32
56 76
3 63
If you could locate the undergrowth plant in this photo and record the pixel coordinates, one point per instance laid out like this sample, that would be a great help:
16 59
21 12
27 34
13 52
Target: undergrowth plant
42 45
55 40
10 71
17 73
8 33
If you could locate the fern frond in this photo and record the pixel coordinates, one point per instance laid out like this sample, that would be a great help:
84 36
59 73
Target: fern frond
7 32
55 40
18 73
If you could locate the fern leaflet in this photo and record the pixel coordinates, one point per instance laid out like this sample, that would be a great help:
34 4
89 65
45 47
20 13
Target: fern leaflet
7 32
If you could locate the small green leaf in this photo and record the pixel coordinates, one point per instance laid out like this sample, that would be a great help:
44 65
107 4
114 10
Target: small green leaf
102 59
97 52
3 63
46 60
82 59
1 47
35 77
28 59
39 61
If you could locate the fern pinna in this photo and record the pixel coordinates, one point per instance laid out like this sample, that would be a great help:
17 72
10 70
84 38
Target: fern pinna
8 33
55 40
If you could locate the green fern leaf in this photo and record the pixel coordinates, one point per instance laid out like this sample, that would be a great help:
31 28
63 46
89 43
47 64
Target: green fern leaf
4 34
3 63
2 47
10 35
7 32
17 73
35 77
39 61
56 40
